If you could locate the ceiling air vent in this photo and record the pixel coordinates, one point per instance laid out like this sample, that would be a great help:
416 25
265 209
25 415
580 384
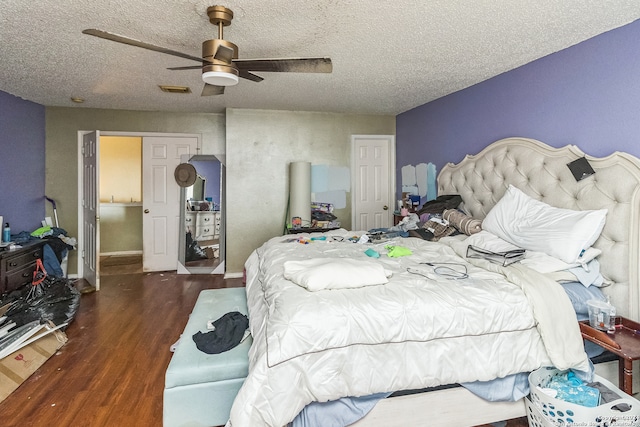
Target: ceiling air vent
174 89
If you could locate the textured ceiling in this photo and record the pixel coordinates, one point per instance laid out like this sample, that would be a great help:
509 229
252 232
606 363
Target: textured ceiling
388 57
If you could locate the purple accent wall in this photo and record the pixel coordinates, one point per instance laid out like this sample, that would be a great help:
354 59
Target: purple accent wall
587 95
22 163
210 169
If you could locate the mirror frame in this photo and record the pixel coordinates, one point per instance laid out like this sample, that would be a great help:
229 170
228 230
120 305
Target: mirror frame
182 267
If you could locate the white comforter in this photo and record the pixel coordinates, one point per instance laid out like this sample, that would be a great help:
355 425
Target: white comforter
411 332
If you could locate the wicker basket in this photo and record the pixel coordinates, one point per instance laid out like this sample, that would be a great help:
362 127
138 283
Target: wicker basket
546 411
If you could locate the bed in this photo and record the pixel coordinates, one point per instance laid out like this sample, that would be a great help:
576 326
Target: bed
397 325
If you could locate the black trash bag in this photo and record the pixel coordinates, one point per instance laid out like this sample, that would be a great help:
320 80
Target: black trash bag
58 302
193 251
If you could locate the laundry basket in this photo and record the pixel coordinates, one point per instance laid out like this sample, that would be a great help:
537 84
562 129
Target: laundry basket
546 411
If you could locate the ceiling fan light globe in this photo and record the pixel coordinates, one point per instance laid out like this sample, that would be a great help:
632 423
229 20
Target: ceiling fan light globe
219 78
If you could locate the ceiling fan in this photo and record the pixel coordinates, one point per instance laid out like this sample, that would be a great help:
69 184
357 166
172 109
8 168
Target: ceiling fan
219 62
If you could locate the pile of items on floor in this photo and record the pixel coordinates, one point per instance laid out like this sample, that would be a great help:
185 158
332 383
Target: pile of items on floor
195 252
33 319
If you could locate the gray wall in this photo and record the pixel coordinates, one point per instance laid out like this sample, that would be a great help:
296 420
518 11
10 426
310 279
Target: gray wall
120 228
260 146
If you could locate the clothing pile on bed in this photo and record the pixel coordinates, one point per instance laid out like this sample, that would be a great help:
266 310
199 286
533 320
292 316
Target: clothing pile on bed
437 218
330 321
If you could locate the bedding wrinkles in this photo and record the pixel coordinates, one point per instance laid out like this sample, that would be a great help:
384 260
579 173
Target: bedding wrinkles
319 346
408 308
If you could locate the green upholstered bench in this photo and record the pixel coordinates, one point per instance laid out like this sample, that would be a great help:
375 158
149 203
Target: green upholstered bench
200 387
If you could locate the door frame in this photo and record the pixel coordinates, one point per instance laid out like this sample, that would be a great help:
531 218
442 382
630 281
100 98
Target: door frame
391 140
80 135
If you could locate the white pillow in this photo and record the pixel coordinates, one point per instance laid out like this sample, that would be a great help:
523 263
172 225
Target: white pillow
536 260
537 226
335 273
544 263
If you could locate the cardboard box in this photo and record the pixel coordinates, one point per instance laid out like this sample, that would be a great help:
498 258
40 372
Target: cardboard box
19 365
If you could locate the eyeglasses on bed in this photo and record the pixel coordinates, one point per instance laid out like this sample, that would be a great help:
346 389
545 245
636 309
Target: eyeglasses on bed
448 270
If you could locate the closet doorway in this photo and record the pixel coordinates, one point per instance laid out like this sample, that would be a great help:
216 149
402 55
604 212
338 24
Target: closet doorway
158 207
120 176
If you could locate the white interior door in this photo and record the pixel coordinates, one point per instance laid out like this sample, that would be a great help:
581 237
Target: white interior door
373 178
161 199
91 208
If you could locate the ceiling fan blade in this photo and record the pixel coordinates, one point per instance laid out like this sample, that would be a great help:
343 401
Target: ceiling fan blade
209 90
249 76
133 42
189 67
224 53
291 65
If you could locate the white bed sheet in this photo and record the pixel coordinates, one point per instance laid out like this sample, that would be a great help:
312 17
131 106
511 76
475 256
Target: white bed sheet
409 333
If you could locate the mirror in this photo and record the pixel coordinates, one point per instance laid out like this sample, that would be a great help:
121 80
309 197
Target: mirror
197 189
201 249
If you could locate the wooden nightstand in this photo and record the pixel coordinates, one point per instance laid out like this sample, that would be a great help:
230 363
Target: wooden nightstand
624 343
17 265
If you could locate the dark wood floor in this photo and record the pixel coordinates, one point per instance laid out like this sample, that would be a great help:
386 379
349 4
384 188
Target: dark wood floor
111 371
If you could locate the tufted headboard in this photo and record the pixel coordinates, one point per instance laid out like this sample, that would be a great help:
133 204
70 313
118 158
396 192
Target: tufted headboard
541 172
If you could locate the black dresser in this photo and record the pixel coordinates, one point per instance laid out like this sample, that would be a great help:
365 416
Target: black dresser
17 265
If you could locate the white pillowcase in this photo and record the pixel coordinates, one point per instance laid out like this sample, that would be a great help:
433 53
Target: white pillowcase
537 226
544 263
335 273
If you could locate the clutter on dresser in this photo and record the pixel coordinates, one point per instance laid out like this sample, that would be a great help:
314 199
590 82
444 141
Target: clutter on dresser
6 233
200 205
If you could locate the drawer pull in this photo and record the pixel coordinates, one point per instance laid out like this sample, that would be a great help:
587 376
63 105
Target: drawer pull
25 275
13 263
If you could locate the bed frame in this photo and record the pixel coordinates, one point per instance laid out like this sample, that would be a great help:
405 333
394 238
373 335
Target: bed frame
541 172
